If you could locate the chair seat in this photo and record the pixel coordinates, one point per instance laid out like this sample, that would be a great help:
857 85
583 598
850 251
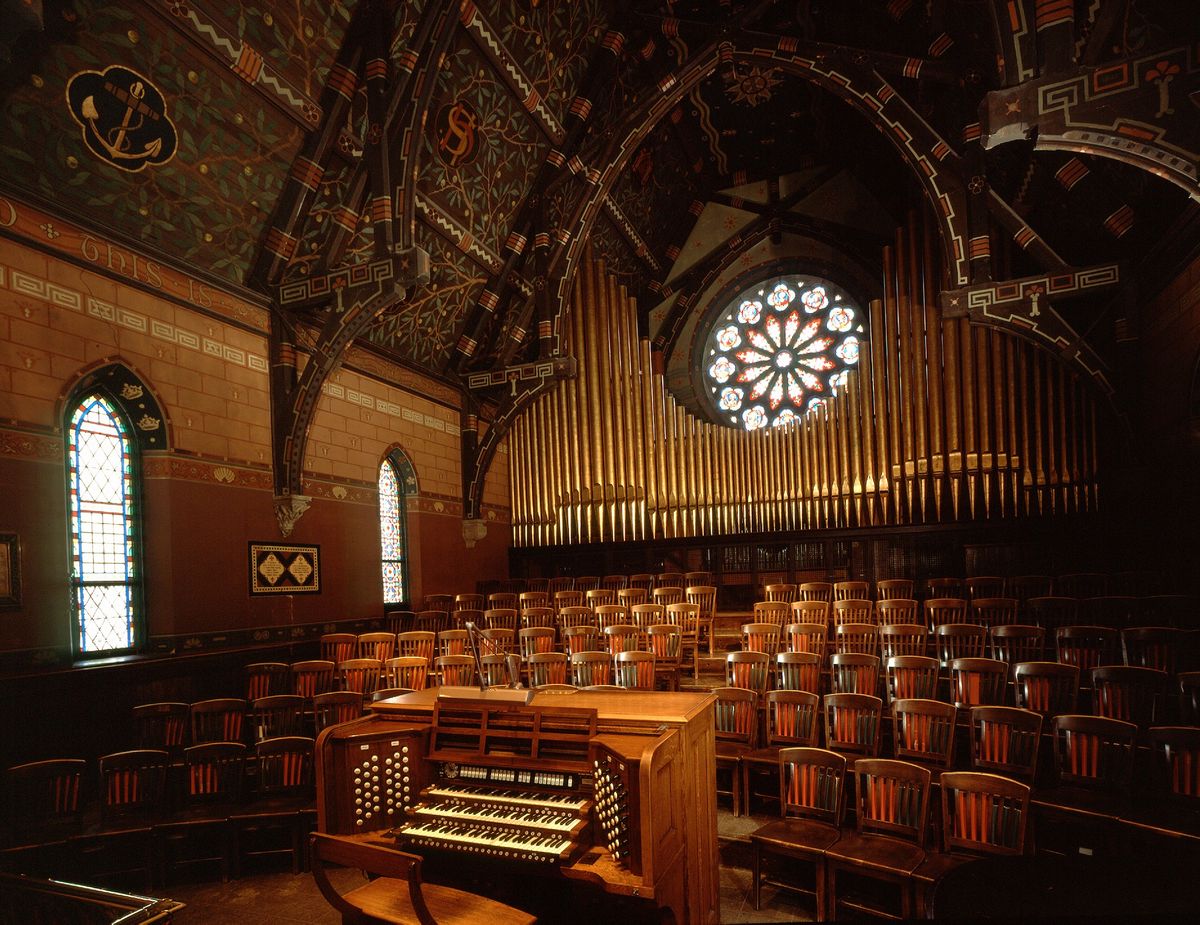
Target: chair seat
878 852
766 757
387 899
789 836
731 751
937 864
1082 801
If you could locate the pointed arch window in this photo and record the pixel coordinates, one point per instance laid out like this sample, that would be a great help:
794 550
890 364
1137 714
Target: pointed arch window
105 561
393 533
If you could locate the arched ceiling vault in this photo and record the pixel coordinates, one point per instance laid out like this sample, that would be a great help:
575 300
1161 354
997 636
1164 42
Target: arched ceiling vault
422 177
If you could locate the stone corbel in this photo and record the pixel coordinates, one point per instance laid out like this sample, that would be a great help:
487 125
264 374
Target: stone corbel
473 532
288 509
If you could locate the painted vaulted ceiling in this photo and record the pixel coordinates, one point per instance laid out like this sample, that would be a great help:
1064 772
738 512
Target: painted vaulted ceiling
662 134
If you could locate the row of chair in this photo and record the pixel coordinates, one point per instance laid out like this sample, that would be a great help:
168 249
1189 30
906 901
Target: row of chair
1136 695
151 814
645 580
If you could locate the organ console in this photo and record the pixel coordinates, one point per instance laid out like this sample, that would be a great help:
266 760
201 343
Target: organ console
608 790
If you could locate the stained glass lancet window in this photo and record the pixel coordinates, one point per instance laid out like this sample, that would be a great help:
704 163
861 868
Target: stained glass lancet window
392 535
104 560
779 348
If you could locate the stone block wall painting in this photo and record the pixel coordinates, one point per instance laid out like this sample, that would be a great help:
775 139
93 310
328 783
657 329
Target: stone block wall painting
284 569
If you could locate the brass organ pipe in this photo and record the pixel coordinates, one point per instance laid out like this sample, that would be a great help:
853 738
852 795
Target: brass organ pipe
620 383
519 457
983 412
638 404
544 478
969 422
776 486
1053 473
625 384
1036 429
854 423
601 337
902 311
823 463
516 477
610 353
893 389
868 435
999 420
1064 462
933 346
1076 433
916 301
582 438
602 421
538 482
568 403
879 402
671 461
646 431
792 455
841 441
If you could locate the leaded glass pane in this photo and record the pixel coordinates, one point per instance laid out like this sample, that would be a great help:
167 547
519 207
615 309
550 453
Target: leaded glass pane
391 534
779 349
102 541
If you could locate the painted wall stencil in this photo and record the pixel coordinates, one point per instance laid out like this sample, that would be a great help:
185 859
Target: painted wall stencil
123 117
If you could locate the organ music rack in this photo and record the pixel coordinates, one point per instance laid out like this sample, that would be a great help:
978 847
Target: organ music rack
612 790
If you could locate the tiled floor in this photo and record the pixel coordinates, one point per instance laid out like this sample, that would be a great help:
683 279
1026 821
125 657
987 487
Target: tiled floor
287 899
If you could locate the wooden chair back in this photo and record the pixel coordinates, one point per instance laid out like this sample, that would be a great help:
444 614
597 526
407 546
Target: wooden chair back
994 611
1189 697
1177 758
503 600
633 669
812 784
215 773
217 720
923 731
611 615
853 610
1087 647
1023 587
622 637
591 668
669 580
900 610
568 598
983 814
535 639
360 675
1047 688
960 640
337 647
805 637
777 612
631 597
643 580
335 707
781 591
587 583
285 767
736 715
1016 642
399 621
597 596
501 618
277 715
539 616
470 601
434 620
858 638
851 590
527 599
889 589
1127 693
815 591
911 676
685 615
667 595
1094 751
939 610
798 671
451 642
133 787
902 639
266 678
665 640
162 726
852 723
645 615
1051 612
1005 740
581 639
312 677
437 602
892 798
44 799
978 682
455 670
760 637
854 673
1154 647
748 670
945 587
411 671
497 641
379 646
495 669
576 616
420 644
547 668
986 586
561 583
793 718
691 579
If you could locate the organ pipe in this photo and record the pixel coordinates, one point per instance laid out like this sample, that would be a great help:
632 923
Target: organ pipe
940 421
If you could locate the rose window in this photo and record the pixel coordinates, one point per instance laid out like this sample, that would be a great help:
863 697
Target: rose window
780 348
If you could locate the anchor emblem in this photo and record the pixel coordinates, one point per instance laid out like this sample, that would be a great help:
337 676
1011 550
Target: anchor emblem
123 117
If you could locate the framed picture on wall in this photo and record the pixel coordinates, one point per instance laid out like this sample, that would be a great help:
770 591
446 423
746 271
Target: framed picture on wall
284 569
10 571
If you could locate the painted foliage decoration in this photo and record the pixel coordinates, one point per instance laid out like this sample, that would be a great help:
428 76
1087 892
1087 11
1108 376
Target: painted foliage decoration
779 349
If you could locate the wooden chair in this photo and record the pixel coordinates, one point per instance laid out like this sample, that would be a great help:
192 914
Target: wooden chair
497 641
312 677
911 676
1023 587
217 720
665 640
596 596
539 617
1093 753
749 670
469 602
960 640
1154 647
760 637
360 675
851 590
805 637
923 732
633 669
1005 740
1177 758
644 615
982 815
890 589
591 668
793 719
581 639
547 668
699 577
670 594
705 597
576 616
898 610
587 583
399 621
902 639
568 598
632 597
278 715
798 671
527 599
278 817
816 591
985 586
687 616
420 644
812 798
1081 584
438 602
335 707
379 646
1114 611
1189 697
535 639
777 612
337 647
411 671
852 723
611 615
214 775
266 678
455 670
1087 647
736 717
857 638
162 726
1177 610
780 592
503 600
503 618
44 800
561 583
622 637
1046 688
854 673
434 621
396 893
888 841
977 682
1051 612
495 669
451 642
994 611
939 610
945 588
669 580
643 580
1127 693
853 610
1015 642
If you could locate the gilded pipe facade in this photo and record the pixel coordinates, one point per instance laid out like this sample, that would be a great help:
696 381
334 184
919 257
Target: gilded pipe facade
940 422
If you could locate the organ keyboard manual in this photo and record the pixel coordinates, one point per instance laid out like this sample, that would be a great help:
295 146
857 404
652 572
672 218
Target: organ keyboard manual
612 791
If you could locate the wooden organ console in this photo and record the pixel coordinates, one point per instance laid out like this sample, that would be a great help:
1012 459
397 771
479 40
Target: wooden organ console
612 790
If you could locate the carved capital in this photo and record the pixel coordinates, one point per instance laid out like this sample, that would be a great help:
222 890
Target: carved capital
473 532
290 508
